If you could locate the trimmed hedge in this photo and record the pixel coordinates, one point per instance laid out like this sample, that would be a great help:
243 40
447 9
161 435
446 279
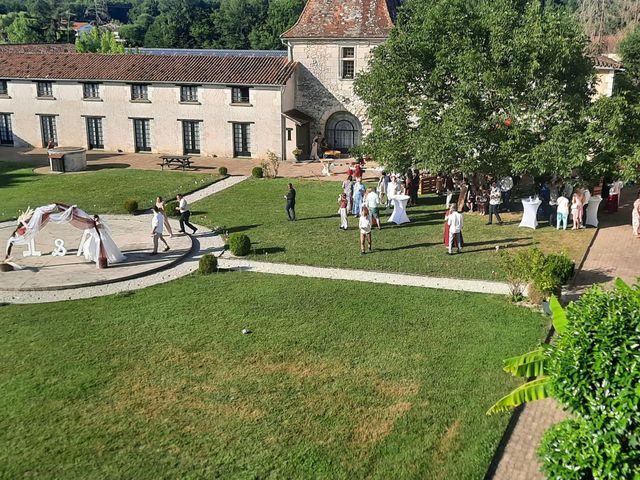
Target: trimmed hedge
223 171
208 264
131 205
239 244
257 172
170 209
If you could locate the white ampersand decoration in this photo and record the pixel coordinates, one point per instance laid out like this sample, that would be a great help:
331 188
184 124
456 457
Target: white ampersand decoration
59 251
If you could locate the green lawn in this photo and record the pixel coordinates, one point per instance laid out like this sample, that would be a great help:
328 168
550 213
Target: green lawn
256 207
103 191
338 380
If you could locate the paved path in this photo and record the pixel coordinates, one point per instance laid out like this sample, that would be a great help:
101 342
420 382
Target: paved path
614 253
366 276
215 188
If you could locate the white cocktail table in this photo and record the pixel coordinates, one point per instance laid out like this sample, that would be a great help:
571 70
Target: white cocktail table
399 214
530 214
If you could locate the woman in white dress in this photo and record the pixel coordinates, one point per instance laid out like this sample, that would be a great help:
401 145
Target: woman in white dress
160 206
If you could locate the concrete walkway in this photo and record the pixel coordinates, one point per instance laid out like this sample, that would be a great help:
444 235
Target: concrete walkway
215 188
614 253
478 286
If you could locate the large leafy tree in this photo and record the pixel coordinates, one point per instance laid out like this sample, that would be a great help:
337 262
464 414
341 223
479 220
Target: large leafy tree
496 87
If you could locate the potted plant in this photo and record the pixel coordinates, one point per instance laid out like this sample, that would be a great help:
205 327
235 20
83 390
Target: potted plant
297 153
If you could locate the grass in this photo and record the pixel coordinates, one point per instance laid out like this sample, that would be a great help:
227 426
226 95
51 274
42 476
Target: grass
256 207
339 380
103 191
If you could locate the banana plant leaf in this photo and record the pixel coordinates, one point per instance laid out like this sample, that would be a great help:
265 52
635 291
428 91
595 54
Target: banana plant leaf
530 364
559 316
533 390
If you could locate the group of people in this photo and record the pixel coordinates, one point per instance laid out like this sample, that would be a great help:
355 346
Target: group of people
160 222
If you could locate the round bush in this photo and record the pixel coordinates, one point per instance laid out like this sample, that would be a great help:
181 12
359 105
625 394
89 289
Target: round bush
594 373
170 209
239 244
257 172
131 205
223 171
560 266
208 264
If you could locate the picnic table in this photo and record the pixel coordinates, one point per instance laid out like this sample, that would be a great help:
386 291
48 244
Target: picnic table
178 160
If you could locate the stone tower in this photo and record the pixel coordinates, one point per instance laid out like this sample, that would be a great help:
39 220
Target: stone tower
332 42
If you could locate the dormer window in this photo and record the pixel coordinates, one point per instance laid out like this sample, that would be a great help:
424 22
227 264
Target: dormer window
348 63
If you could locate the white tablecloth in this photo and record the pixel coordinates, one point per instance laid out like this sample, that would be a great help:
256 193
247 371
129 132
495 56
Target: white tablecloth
592 210
529 217
399 214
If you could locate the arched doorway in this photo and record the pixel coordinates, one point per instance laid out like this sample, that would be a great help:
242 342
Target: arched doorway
343 131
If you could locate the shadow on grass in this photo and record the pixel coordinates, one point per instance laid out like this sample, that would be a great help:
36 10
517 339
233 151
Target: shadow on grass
267 250
407 247
242 228
495 242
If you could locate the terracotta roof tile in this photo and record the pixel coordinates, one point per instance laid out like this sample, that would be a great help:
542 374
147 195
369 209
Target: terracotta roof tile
18 48
148 68
342 19
603 61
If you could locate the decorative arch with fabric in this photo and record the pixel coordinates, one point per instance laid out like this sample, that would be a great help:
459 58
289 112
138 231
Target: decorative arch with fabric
97 244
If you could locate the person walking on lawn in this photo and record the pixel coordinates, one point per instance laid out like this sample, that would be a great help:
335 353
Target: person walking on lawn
365 229
495 197
342 201
157 225
455 229
290 208
372 201
183 208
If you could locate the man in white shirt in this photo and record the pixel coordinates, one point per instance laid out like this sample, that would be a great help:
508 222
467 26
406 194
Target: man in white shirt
495 197
586 196
157 229
372 201
455 229
183 208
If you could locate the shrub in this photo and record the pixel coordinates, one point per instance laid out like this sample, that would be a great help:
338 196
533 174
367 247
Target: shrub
594 373
561 266
273 163
257 172
239 244
208 264
223 171
170 209
131 205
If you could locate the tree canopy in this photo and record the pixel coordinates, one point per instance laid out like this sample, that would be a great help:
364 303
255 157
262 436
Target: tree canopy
496 87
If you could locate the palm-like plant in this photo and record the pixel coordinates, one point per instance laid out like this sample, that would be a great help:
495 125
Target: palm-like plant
531 364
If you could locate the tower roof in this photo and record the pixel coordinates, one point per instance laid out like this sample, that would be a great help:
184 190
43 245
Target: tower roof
342 19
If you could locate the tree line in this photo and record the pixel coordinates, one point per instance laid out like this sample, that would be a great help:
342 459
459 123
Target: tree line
232 24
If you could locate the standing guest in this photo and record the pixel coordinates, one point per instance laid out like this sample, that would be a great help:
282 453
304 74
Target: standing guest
545 198
290 207
357 171
455 229
365 230
347 189
372 201
464 190
586 198
157 224
315 146
553 202
342 201
576 211
635 216
183 208
383 183
445 237
160 205
408 187
358 196
495 197
415 186
562 212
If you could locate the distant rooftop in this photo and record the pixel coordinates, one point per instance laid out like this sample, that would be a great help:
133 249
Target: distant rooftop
20 48
208 52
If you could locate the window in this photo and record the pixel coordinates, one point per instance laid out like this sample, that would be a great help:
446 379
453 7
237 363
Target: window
4 89
289 134
6 134
140 92
142 134
239 94
44 89
48 129
91 90
347 60
241 140
191 136
94 133
188 94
